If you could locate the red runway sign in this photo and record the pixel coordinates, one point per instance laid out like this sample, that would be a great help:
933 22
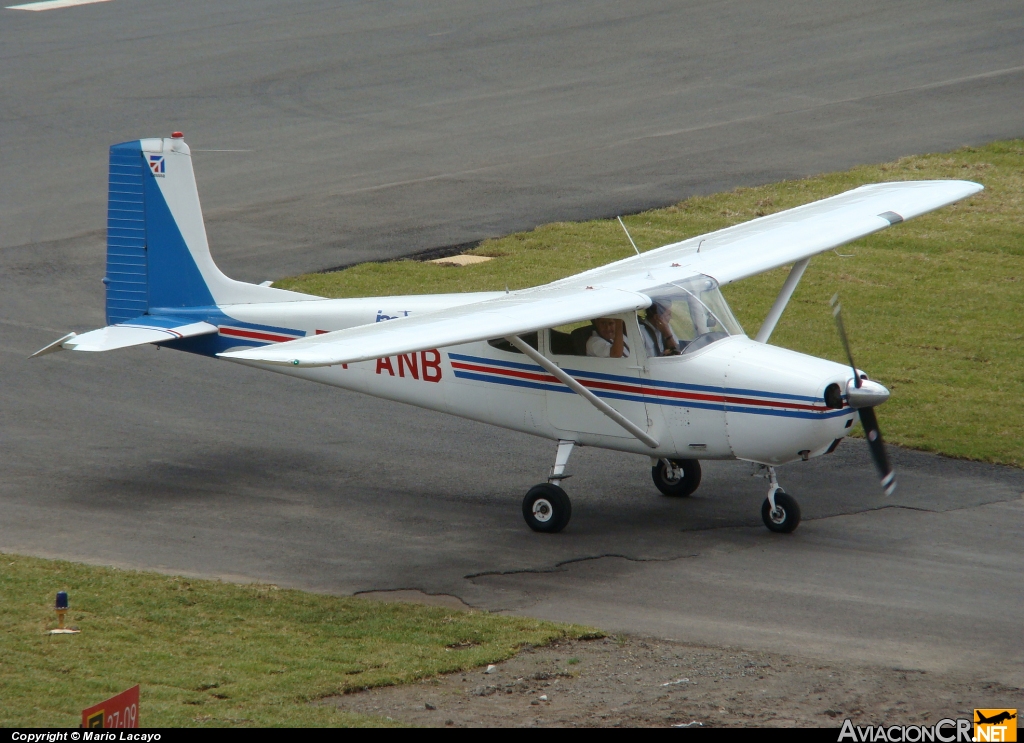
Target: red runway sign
121 711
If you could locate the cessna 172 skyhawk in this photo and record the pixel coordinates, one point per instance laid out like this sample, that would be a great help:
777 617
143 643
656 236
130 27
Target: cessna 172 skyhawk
664 370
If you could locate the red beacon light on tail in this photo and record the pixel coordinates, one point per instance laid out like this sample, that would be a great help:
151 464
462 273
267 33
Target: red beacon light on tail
177 135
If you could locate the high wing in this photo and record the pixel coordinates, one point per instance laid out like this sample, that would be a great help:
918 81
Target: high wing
765 243
727 255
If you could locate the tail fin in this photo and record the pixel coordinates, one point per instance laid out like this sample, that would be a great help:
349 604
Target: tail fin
158 256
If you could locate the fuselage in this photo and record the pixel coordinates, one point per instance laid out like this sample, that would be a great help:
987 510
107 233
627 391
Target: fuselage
734 398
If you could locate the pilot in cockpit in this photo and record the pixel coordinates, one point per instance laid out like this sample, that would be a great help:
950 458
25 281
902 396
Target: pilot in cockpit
608 340
656 330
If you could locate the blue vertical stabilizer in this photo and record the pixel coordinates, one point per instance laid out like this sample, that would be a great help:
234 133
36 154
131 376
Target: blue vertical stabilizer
158 258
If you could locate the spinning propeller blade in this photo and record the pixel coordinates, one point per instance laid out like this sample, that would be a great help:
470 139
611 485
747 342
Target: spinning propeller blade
837 314
877 446
867 414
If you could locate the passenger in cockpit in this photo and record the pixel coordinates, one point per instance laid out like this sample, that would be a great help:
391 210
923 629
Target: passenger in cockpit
608 339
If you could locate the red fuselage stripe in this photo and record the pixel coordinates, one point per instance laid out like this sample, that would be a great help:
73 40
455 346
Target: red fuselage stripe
640 389
257 335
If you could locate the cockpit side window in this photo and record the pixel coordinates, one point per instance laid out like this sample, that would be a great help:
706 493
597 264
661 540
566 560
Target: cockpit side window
595 338
571 339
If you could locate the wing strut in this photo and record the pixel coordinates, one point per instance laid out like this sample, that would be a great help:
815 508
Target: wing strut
582 391
781 301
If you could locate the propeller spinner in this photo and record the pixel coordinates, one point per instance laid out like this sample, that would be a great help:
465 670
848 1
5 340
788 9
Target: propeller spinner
863 395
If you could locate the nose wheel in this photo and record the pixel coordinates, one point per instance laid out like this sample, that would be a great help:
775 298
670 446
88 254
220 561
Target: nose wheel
780 511
784 517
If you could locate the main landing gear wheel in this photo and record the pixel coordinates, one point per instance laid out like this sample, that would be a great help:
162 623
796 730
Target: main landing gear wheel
678 481
786 516
546 508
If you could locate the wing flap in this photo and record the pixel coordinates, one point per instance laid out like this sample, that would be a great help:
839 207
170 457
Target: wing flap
512 314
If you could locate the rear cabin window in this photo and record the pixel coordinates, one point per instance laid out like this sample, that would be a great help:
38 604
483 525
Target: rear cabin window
503 345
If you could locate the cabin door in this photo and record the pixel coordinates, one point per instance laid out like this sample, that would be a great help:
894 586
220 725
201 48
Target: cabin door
616 381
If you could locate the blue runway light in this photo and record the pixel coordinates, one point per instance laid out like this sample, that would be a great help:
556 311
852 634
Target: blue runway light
62 608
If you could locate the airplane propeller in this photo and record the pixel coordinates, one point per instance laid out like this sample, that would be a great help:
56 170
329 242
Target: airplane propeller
863 395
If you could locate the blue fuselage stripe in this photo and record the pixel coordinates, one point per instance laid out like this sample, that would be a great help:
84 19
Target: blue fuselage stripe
600 376
498 378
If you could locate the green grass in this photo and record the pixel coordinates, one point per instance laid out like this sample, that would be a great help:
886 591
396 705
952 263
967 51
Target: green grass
932 305
216 654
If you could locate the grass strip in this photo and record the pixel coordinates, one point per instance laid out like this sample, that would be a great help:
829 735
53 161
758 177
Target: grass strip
216 654
932 305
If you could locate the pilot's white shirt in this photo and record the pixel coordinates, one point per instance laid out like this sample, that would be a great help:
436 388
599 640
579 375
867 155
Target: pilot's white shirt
598 346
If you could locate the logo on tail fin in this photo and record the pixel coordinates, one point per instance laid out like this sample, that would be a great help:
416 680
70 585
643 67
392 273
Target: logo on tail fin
156 164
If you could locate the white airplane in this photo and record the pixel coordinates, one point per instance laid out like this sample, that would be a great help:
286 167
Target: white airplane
642 355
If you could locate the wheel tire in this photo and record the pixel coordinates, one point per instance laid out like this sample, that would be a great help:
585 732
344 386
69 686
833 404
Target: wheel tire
787 516
677 487
546 508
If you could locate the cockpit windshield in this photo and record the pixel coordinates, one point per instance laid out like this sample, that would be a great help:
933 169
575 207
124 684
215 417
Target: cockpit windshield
686 316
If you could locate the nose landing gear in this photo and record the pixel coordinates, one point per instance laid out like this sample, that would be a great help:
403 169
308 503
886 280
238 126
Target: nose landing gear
780 511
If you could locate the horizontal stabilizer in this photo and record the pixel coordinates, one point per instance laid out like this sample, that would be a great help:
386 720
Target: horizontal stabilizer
137 332
510 314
